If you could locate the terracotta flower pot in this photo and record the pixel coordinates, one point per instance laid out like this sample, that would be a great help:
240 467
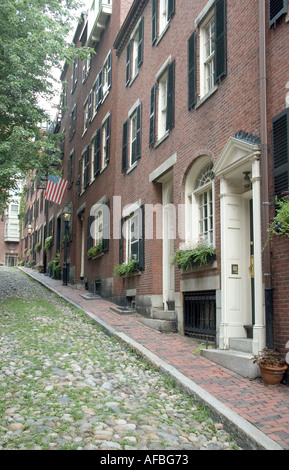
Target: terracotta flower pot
272 375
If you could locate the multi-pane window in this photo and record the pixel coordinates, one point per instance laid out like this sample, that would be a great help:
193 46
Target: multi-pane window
101 146
203 194
131 148
162 12
163 101
132 240
209 55
86 119
162 104
86 63
74 77
134 52
106 75
72 127
199 192
98 227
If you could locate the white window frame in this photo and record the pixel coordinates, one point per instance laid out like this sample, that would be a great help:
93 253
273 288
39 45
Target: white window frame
162 105
131 240
163 15
85 115
105 84
132 137
194 206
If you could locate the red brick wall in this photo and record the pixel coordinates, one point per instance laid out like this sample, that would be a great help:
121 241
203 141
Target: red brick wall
277 78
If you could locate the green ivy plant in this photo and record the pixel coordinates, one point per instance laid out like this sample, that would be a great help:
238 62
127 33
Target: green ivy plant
280 223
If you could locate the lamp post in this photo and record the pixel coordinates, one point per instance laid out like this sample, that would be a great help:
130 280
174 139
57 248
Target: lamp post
66 217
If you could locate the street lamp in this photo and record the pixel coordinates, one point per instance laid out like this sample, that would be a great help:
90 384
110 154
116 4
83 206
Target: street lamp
66 217
29 229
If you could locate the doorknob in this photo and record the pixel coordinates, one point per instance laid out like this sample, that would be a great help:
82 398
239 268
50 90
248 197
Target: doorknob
251 267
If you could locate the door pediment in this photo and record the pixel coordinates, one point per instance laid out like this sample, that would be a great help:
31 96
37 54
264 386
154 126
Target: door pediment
236 153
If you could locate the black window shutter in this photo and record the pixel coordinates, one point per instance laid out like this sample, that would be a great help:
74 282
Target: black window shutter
125 146
108 121
138 132
97 151
90 106
171 8
154 21
106 229
79 179
152 116
280 131
140 43
221 39
141 260
74 118
121 242
109 69
128 64
90 221
277 8
192 67
171 96
100 87
87 166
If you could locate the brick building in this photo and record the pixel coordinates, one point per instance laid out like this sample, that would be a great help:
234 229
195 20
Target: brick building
168 140
9 233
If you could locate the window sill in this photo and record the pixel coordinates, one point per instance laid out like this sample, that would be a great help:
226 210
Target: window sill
133 79
206 97
162 34
131 168
164 137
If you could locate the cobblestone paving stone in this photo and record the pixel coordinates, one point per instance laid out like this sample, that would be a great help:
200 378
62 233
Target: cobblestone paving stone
65 384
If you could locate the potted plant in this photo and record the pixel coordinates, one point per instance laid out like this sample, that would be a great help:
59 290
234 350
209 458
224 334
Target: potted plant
198 254
271 367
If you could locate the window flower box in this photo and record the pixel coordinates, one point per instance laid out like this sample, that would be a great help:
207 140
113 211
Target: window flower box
198 254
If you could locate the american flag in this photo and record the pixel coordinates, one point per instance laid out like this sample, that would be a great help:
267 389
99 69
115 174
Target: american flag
55 189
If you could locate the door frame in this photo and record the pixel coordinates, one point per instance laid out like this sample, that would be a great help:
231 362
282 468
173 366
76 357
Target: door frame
237 157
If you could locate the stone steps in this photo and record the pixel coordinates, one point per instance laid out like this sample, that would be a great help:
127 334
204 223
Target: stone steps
238 359
161 320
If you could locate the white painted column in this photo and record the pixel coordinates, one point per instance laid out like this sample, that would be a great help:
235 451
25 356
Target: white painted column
259 333
223 335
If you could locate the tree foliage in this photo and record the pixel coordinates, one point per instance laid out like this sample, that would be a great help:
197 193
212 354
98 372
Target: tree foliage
33 41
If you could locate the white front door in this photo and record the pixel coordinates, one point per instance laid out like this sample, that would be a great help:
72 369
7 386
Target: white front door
236 279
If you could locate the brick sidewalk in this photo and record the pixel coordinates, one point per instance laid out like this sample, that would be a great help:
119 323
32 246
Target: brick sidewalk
265 408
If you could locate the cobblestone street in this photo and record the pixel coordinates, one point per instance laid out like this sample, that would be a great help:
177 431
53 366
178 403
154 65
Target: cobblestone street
65 384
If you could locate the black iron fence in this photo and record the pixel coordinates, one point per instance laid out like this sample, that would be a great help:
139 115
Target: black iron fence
200 314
